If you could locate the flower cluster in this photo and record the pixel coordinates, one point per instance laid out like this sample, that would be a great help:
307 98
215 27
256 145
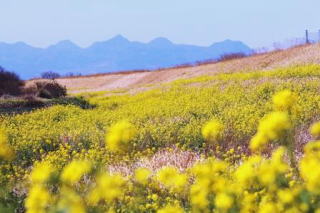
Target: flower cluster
68 159
273 126
213 131
284 100
6 151
119 135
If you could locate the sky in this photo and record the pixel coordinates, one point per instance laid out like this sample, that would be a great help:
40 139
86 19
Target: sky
201 22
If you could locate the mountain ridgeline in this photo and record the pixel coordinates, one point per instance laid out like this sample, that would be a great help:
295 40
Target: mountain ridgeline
116 54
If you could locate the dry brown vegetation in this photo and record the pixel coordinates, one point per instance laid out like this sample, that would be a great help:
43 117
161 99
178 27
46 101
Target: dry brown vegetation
307 54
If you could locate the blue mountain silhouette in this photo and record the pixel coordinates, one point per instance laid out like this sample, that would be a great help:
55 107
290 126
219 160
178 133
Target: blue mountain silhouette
116 54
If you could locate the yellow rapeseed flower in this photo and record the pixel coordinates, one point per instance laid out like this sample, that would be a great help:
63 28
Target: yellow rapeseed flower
286 196
274 124
246 173
315 130
119 136
70 202
271 169
171 209
41 172
142 175
268 207
73 172
284 100
199 192
108 188
258 142
309 166
37 200
223 201
6 151
213 131
271 127
171 178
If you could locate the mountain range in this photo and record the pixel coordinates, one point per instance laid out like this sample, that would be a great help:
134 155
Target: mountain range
116 54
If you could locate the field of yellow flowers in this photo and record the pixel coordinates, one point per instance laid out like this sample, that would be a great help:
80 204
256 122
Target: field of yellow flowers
233 142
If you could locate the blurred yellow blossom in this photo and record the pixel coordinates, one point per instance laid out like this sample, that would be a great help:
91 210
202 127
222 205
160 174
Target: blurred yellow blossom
271 127
315 130
258 141
119 135
268 207
142 175
171 209
199 192
171 178
6 151
309 166
274 124
286 196
108 188
223 201
213 131
284 100
70 202
73 172
38 200
41 172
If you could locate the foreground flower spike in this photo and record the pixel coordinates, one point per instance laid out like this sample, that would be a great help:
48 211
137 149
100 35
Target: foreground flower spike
309 167
315 130
284 100
271 127
223 201
37 200
213 131
142 175
6 151
41 173
109 188
171 209
70 202
172 179
119 135
73 172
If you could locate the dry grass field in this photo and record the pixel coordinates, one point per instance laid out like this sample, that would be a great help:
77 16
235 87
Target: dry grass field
301 55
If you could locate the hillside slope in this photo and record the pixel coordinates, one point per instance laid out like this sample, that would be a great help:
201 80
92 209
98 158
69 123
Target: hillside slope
301 55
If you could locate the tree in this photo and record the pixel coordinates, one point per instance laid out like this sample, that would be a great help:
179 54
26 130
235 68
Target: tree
50 75
10 83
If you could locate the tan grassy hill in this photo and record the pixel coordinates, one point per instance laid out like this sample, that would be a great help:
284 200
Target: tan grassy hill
308 54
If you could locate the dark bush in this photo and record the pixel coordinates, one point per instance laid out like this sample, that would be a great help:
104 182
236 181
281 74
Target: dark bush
50 75
232 56
10 83
50 90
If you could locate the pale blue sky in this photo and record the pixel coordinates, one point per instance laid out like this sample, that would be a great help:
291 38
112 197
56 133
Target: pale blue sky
201 22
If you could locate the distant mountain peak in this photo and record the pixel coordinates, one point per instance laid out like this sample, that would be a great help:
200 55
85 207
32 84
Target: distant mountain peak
64 44
118 39
227 45
161 41
21 44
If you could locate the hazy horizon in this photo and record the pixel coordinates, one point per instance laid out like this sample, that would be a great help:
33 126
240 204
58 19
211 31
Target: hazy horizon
43 23
115 36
